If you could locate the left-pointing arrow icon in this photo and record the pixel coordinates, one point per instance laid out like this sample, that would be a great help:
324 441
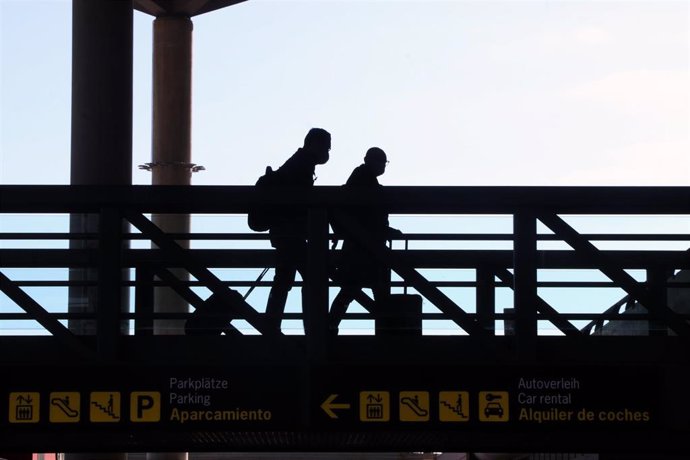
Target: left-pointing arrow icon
329 405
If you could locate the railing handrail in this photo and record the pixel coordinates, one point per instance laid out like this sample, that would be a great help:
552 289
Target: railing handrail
207 236
398 199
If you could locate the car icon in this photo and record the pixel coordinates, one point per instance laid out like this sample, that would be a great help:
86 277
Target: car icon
493 408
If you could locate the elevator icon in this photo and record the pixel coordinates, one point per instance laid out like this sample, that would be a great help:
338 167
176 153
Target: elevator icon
374 406
24 407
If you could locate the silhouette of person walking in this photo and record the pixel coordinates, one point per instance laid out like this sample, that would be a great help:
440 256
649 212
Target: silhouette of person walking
357 269
288 232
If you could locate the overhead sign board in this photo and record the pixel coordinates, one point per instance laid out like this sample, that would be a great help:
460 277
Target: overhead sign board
487 397
133 404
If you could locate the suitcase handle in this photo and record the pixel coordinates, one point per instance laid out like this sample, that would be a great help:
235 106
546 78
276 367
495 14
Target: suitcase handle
404 283
256 283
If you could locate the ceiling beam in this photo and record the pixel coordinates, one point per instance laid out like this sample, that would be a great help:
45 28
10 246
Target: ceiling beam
181 7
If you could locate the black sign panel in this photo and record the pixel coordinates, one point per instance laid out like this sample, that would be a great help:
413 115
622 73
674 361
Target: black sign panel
112 397
488 397
434 407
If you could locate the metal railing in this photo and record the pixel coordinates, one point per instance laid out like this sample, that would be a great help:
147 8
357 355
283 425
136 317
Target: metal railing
479 283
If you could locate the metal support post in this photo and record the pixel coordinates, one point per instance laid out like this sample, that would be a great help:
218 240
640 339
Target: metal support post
143 301
109 283
315 291
657 279
486 299
525 289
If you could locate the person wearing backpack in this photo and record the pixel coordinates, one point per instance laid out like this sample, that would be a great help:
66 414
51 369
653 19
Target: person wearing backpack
357 268
288 226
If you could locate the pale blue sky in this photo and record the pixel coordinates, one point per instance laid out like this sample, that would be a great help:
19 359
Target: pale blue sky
457 92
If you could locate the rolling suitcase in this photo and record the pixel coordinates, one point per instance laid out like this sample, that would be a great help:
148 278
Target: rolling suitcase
214 315
401 316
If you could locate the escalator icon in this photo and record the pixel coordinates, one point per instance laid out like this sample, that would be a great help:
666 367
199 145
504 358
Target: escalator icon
414 406
65 407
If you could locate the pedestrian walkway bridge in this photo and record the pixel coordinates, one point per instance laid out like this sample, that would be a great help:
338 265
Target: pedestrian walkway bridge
519 284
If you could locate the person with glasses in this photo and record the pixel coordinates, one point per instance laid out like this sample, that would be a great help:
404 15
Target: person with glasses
357 268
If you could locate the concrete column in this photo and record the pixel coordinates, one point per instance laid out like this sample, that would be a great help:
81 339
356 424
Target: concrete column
101 92
172 140
172 100
101 150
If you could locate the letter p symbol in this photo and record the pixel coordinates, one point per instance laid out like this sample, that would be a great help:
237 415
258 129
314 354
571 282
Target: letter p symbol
145 406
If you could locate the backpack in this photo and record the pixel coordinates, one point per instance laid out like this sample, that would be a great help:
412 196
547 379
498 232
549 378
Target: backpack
260 218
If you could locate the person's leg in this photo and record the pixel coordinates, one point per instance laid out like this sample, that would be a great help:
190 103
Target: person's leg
382 291
339 307
299 258
286 269
382 286
276 306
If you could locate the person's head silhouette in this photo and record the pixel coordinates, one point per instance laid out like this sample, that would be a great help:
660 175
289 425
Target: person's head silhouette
318 143
376 160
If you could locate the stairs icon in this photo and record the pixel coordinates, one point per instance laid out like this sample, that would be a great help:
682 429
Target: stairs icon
453 406
456 409
105 407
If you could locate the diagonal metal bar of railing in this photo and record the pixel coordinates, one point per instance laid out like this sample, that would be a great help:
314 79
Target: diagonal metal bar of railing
543 307
37 312
195 268
615 273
